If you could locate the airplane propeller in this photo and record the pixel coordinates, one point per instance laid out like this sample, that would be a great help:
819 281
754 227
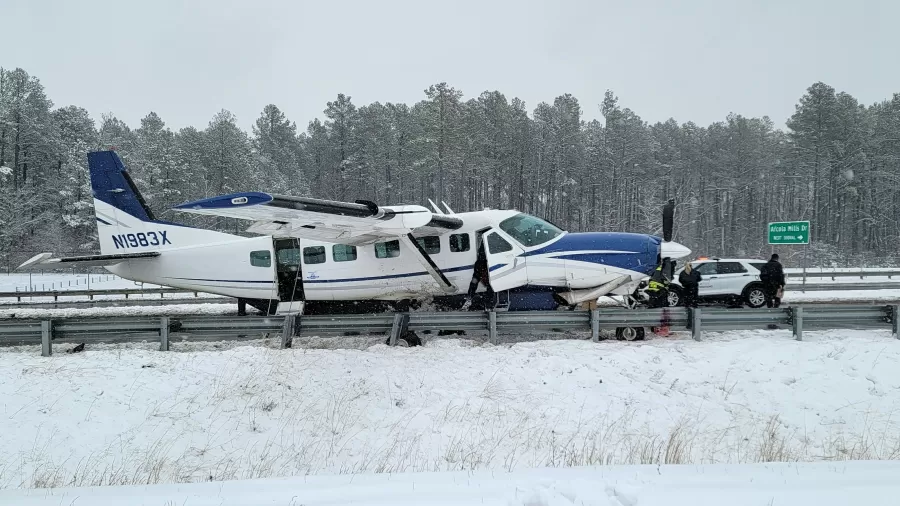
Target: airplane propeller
668 220
670 249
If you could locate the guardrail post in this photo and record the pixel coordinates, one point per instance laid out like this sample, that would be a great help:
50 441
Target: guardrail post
895 319
696 327
797 322
398 328
46 337
287 331
492 327
164 333
595 325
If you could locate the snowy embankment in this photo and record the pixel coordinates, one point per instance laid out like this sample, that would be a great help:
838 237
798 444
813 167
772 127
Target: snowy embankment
820 484
43 281
123 415
21 284
198 308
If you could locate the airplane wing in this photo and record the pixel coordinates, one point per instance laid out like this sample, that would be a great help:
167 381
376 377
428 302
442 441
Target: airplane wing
43 259
355 223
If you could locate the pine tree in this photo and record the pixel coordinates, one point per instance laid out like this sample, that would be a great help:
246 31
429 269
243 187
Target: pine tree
342 128
277 152
77 136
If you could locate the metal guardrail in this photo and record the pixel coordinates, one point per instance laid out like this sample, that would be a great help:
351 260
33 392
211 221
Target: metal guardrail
56 294
792 286
396 325
861 274
793 279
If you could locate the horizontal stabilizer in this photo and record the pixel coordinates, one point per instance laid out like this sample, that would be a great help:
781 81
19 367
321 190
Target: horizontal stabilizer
42 260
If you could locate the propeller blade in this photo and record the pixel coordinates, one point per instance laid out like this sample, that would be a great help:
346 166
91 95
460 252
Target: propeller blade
668 220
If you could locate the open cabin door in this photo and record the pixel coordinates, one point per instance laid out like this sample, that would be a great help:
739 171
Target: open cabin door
289 275
507 268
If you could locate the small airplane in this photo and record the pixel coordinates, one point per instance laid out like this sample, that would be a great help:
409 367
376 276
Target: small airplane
314 255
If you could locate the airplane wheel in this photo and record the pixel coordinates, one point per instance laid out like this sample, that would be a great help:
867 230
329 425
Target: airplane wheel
406 341
630 333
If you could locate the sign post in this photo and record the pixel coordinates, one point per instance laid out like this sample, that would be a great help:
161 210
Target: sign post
791 232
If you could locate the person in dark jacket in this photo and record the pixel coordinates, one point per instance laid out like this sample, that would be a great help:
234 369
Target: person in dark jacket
481 275
690 282
772 277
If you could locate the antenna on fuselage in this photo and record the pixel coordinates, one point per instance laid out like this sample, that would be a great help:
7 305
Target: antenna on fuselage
449 211
437 210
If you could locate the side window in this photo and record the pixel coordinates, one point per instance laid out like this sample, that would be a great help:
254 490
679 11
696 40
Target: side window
431 244
459 242
288 259
314 255
390 249
706 269
497 244
731 268
758 266
343 253
260 258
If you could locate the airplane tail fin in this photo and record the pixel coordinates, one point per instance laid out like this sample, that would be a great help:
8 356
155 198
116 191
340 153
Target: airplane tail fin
113 186
125 224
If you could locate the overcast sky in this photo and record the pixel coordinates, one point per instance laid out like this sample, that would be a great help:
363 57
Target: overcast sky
692 60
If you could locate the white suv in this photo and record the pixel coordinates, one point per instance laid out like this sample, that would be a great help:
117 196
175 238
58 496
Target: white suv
731 280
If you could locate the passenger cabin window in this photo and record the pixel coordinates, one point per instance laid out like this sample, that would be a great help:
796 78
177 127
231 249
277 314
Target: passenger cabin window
431 244
287 255
731 268
260 258
314 255
706 269
343 253
758 266
459 242
497 244
528 230
390 249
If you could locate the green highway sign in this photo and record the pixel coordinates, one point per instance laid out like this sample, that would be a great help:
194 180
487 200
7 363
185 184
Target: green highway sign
789 232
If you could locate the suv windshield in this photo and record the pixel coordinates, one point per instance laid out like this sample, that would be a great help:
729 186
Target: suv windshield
528 230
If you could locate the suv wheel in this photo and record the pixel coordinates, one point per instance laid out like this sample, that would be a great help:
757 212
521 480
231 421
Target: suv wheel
675 296
754 296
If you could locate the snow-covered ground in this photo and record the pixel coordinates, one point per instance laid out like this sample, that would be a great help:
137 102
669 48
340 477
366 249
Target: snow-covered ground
37 281
849 296
127 414
821 484
198 308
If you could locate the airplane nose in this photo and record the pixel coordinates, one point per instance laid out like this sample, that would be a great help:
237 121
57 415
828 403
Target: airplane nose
673 250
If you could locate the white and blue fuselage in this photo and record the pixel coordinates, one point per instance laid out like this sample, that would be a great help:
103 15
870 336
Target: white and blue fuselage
333 251
259 267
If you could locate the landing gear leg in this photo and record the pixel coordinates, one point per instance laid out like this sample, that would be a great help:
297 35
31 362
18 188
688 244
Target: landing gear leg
242 307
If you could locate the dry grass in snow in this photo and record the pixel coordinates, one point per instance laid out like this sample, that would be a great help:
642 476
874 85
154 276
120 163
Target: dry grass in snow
123 415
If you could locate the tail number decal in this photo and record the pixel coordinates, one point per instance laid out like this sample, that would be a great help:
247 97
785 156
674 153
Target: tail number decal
140 240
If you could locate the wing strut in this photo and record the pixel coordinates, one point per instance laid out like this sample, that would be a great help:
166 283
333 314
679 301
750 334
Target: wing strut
437 210
425 259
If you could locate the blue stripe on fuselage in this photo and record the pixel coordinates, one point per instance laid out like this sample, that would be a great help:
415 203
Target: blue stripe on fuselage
638 251
392 276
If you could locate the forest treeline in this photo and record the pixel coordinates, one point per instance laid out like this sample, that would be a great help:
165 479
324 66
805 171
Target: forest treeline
836 164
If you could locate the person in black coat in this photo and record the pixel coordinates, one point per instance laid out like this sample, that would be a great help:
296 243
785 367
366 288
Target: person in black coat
772 277
690 282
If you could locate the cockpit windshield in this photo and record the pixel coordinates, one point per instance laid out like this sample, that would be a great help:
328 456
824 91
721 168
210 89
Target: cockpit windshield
528 230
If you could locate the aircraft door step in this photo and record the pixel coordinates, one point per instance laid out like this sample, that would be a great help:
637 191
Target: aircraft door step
501 301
